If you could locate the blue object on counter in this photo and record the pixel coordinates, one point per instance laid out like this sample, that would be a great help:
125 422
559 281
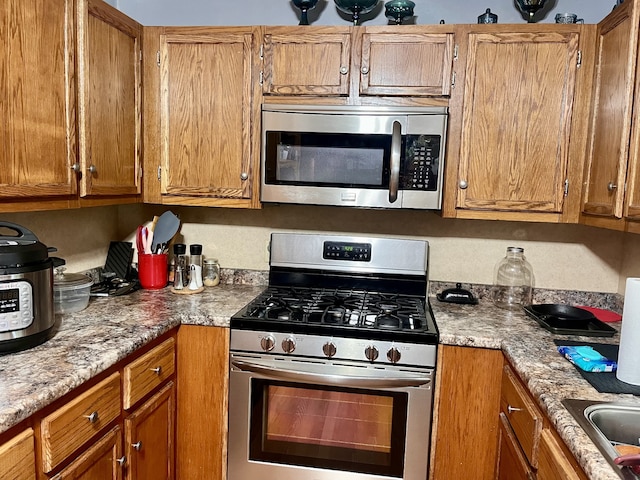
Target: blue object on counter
587 358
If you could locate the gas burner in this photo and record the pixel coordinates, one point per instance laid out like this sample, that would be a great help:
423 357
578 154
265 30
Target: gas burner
388 322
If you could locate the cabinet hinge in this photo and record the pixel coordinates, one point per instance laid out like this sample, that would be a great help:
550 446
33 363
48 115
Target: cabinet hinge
455 53
566 187
453 80
261 77
579 61
158 58
262 51
159 173
140 172
140 56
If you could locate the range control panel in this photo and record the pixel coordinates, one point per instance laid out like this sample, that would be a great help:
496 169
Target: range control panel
354 252
16 305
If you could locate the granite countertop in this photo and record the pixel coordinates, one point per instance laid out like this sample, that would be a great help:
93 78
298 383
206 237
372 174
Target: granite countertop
89 342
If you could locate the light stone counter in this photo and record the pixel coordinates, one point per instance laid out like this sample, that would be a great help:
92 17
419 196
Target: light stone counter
110 329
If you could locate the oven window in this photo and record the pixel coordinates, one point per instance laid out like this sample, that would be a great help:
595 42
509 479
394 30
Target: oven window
328 427
328 159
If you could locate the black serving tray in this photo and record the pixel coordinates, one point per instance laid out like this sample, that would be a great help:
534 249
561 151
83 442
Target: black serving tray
568 320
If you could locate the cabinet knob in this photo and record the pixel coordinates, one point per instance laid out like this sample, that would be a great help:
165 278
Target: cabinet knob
156 370
364 70
92 417
75 167
511 409
344 70
121 461
463 184
244 176
137 446
92 169
611 186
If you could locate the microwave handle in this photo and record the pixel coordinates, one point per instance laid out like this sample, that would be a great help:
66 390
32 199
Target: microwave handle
394 177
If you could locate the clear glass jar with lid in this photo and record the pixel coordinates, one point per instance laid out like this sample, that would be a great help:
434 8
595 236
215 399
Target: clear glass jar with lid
513 281
211 272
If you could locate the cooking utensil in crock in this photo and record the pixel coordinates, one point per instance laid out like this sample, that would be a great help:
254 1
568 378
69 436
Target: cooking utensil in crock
167 226
457 295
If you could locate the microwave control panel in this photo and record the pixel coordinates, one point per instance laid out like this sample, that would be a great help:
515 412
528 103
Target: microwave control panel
419 170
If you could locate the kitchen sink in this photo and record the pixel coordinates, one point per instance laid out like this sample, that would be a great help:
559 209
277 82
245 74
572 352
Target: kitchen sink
613 427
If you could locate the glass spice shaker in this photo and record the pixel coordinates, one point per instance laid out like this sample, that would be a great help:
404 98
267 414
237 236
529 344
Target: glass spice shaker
195 267
211 272
513 281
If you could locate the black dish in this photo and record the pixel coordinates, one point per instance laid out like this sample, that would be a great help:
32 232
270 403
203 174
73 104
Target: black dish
568 320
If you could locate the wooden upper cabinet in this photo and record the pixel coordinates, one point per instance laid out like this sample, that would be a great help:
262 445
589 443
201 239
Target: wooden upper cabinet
37 132
411 63
311 61
110 96
208 117
515 137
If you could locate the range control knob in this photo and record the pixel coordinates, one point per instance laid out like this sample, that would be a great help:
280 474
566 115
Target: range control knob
288 345
267 343
393 355
371 353
329 349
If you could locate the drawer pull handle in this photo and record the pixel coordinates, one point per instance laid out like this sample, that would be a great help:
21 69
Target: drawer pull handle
137 445
156 370
121 461
93 417
511 409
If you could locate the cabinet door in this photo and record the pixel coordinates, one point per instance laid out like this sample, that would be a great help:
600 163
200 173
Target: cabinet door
101 461
554 463
37 131
207 118
109 92
17 457
512 464
306 61
149 434
518 101
410 64
612 116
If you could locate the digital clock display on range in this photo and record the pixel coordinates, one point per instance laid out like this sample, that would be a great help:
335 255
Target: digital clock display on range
354 252
9 300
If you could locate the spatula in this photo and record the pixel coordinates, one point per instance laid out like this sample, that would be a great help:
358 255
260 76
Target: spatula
167 226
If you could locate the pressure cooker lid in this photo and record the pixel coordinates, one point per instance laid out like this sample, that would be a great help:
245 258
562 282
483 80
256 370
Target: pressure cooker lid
21 249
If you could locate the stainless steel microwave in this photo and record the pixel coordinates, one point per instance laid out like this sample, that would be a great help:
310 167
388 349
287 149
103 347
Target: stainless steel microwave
357 156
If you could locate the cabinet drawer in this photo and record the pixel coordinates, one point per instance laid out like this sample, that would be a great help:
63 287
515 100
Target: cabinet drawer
17 458
147 372
70 426
524 417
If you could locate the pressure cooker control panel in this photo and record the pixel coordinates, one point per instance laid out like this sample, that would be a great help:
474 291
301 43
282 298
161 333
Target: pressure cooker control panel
16 305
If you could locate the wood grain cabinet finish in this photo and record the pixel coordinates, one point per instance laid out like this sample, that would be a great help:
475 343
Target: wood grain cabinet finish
150 436
203 106
512 464
110 96
516 144
103 460
75 423
555 461
143 375
17 457
37 132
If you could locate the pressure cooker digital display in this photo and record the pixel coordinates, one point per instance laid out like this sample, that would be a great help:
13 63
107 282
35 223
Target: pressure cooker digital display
9 300
16 305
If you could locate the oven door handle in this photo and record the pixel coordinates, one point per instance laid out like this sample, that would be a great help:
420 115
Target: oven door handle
394 177
332 379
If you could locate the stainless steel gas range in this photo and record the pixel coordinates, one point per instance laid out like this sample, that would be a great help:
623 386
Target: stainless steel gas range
332 366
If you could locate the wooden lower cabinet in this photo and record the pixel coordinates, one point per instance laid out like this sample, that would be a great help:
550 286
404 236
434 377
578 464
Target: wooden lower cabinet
149 437
201 429
17 457
555 461
101 461
512 464
465 430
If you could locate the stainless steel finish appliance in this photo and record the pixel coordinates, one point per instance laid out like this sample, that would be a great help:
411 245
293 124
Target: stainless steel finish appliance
359 156
26 289
332 366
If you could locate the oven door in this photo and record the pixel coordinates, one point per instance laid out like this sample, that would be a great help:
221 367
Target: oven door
320 420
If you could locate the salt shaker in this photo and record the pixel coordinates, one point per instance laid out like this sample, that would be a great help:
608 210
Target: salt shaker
513 281
211 272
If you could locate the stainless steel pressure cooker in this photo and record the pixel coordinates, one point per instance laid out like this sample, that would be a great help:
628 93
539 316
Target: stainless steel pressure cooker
26 289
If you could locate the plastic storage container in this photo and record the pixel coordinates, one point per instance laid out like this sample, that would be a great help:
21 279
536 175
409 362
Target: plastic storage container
70 291
513 281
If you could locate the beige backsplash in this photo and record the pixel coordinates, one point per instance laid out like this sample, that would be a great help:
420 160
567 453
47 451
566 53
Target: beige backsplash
568 257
